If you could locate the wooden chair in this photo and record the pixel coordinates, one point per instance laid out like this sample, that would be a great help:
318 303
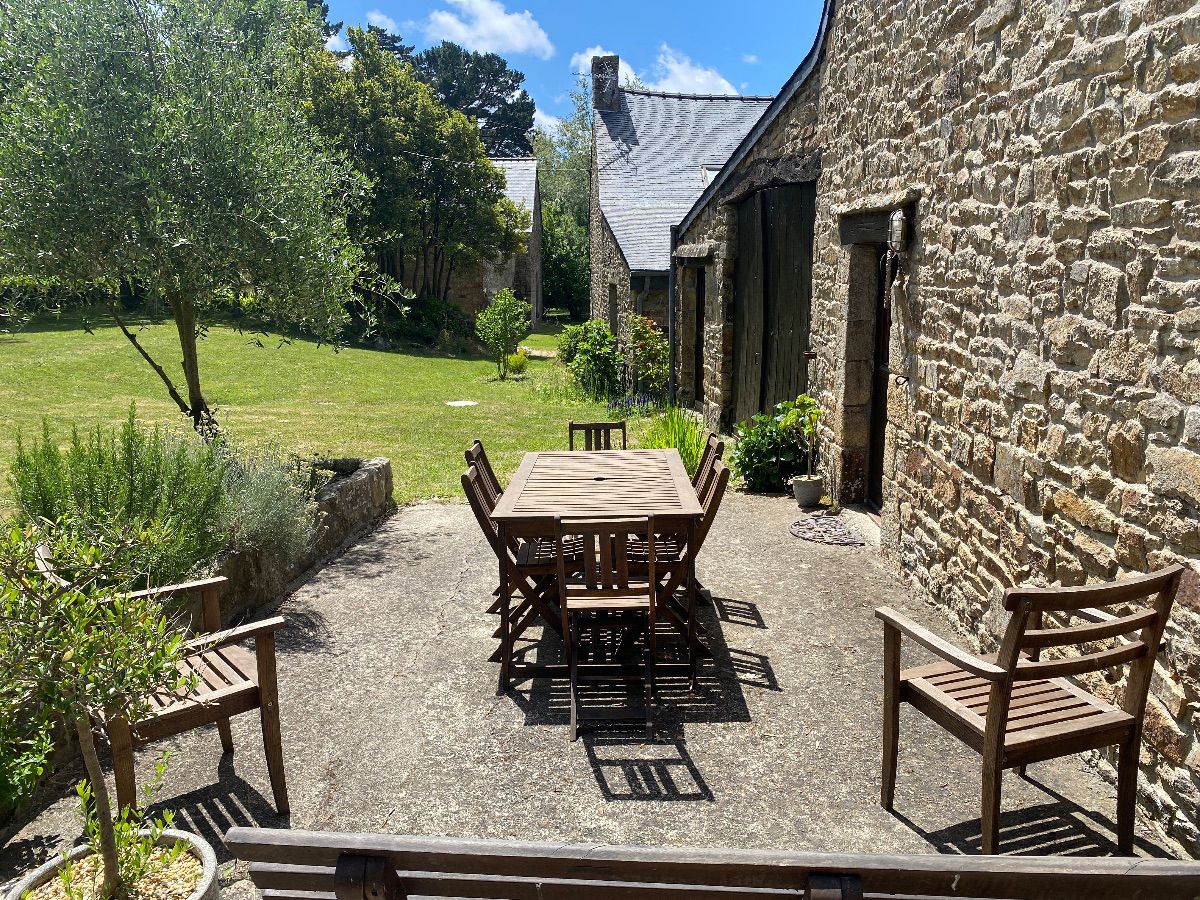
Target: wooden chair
606 586
1016 708
227 679
596 435
531 567
714 449
303 865
477 457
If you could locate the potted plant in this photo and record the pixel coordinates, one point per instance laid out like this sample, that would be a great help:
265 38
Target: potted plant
802 420
76 643
768 448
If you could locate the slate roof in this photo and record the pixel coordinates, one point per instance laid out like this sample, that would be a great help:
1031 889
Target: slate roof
521 175
651 154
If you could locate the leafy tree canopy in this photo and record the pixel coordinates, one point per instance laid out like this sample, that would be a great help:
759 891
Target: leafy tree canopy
437 204
160 144
564 155
481 85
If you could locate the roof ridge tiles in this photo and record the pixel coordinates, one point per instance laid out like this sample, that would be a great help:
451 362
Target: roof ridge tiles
642 92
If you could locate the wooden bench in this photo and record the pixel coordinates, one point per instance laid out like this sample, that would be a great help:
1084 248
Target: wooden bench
308 865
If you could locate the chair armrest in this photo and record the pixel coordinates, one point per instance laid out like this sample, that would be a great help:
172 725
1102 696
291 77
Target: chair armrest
936 645
187 587
235 635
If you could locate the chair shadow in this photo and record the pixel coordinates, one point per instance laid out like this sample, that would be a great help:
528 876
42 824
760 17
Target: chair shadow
738 612
720 680
212 810
1059 827
628 768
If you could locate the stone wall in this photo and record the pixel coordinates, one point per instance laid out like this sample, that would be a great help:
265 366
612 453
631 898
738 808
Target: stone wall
1044 424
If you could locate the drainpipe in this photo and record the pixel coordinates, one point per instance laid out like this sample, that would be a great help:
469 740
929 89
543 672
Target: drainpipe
671 316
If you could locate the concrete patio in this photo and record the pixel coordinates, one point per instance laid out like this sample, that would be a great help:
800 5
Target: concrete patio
391 722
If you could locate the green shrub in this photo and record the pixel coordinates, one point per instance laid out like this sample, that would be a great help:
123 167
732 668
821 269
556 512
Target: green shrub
517 363
191 499
681 430
432 321
501 325
648 355
595 361
270 507
568 343
770 449
136 477
25 744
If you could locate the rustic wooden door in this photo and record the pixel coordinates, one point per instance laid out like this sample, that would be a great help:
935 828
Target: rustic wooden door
773 296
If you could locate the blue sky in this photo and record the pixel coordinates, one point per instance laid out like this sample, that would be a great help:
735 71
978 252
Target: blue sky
702 46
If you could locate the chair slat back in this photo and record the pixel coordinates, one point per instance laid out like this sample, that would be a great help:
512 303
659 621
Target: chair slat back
596 435
710 499
476 456
482 504
714 449
1134 634
605 548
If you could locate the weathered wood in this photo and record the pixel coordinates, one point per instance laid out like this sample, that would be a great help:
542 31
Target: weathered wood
1019 710
225 681
748 310
292 862
864 228
597 435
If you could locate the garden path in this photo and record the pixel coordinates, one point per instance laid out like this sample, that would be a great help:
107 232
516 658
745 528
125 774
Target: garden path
391 723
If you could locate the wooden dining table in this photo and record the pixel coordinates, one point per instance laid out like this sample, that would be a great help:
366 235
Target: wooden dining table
599 484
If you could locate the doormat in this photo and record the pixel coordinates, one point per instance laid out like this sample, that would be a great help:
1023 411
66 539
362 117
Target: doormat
827 530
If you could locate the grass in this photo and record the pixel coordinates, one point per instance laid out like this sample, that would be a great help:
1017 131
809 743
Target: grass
299 397
543 337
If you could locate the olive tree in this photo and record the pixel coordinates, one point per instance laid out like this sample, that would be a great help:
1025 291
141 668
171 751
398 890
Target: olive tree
159 143
76 643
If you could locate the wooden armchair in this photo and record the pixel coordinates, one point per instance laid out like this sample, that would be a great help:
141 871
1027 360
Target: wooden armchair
1016 708
596 435
228 680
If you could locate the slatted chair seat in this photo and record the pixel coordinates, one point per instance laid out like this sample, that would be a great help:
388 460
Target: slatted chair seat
222 676
1040 711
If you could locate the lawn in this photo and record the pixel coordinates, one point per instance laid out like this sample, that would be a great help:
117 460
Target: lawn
299 397
543 337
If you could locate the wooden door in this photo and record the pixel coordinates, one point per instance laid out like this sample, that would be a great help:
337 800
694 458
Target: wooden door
772 297
790 218
748 310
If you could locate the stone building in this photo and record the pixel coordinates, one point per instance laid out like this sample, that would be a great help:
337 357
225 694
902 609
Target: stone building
652 155
991 212
521 273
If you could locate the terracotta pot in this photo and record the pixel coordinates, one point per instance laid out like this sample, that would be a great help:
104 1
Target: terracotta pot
808 490
207 889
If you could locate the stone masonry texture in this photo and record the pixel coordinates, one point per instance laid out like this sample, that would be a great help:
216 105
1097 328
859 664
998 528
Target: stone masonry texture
1044 424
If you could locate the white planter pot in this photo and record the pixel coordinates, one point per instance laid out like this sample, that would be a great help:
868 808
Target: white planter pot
207 889
808 491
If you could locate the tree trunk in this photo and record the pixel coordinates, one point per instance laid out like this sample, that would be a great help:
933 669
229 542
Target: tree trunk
184 308
104 816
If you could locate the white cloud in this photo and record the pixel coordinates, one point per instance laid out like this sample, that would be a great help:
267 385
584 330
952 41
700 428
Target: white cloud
750 58
337 43
486 26
676 73
545 121
581 62
381 20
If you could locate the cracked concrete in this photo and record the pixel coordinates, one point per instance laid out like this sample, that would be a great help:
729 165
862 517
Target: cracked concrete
391 723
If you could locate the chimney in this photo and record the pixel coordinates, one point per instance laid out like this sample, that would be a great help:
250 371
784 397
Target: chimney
605 86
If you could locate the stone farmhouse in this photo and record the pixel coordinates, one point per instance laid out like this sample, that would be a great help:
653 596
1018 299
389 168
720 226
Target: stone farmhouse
972 231
521 273
652 155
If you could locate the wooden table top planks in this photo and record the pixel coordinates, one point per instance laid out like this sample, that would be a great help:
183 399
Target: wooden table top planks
598 484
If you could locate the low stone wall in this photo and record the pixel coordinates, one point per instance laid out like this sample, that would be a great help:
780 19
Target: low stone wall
347 508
